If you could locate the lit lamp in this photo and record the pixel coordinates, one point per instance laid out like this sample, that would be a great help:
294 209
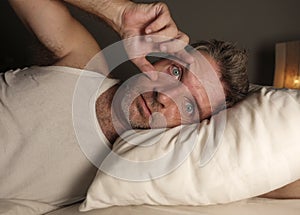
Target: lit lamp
287 69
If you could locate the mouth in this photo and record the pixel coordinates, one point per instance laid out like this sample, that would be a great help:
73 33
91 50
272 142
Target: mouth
145 107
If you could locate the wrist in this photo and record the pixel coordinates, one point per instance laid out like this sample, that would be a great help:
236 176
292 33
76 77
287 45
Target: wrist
111 11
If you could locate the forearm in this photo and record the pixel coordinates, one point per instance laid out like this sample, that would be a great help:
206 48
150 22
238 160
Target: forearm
108 10
290 191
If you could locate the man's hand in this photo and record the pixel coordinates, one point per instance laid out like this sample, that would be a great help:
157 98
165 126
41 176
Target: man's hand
131 20
161 33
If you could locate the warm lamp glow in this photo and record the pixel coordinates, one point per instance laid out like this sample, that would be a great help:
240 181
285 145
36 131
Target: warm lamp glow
287 70
297 82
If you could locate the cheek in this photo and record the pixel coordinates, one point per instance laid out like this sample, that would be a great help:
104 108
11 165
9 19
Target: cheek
133 109
167 118
173 116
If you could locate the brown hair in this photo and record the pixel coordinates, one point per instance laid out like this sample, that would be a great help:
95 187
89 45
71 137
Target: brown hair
233 67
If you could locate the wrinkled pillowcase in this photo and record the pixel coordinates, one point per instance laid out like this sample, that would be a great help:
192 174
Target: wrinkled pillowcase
245 151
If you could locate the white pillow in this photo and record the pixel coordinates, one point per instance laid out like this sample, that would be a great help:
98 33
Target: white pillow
253 151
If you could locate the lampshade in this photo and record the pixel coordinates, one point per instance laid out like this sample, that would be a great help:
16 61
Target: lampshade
287 69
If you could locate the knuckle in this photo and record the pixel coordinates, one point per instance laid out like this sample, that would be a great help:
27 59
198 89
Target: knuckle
161 6
184 37
174 30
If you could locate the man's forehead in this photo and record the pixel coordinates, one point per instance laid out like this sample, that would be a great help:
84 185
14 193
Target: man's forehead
204 70
201 78
203 82
203 62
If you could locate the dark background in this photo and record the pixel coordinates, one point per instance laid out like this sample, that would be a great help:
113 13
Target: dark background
253 24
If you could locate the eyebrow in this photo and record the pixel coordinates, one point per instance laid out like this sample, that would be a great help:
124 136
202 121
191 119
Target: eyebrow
178 60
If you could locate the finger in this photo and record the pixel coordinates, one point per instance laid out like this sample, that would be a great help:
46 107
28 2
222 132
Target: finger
177 47
181 41
163 35
145 66
178 43
172 46
184 37
162 18
167 44
184 56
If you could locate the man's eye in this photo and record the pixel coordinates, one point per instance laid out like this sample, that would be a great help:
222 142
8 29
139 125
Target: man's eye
176 72
189 108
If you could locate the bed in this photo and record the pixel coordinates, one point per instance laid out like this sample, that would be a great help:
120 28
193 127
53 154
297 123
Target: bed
253 206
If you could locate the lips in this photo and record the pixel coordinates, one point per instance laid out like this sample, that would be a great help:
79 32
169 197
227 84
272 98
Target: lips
145 107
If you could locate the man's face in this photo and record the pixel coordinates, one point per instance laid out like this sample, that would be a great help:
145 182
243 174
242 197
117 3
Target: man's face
179 96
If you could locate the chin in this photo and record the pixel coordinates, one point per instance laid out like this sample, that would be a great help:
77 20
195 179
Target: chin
137 121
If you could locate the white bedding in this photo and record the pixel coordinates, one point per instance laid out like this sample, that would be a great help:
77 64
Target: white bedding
245 207
258 152
255 206
24 207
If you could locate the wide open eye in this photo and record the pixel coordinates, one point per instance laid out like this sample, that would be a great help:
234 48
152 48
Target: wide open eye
176 72
189 108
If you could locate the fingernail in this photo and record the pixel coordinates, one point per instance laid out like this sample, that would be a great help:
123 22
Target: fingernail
148 31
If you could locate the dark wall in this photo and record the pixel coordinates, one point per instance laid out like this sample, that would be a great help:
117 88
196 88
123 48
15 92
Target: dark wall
254 25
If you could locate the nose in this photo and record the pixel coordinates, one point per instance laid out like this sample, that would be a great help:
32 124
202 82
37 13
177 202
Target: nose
167 97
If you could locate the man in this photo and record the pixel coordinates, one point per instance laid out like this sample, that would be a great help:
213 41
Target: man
181 95
75 47
40 146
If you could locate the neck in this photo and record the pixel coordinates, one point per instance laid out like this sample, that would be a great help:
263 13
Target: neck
109 123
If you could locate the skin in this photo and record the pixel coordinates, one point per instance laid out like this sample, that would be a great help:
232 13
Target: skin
177 97
290 191
73 46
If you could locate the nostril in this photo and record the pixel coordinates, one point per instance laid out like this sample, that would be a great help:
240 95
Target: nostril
155 94
157 99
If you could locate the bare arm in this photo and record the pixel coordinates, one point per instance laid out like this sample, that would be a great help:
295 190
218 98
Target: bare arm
52 23
290 191
74 46
130 20
108 10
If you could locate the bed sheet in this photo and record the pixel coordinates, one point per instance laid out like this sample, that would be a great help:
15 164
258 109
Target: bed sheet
254 206
24 207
